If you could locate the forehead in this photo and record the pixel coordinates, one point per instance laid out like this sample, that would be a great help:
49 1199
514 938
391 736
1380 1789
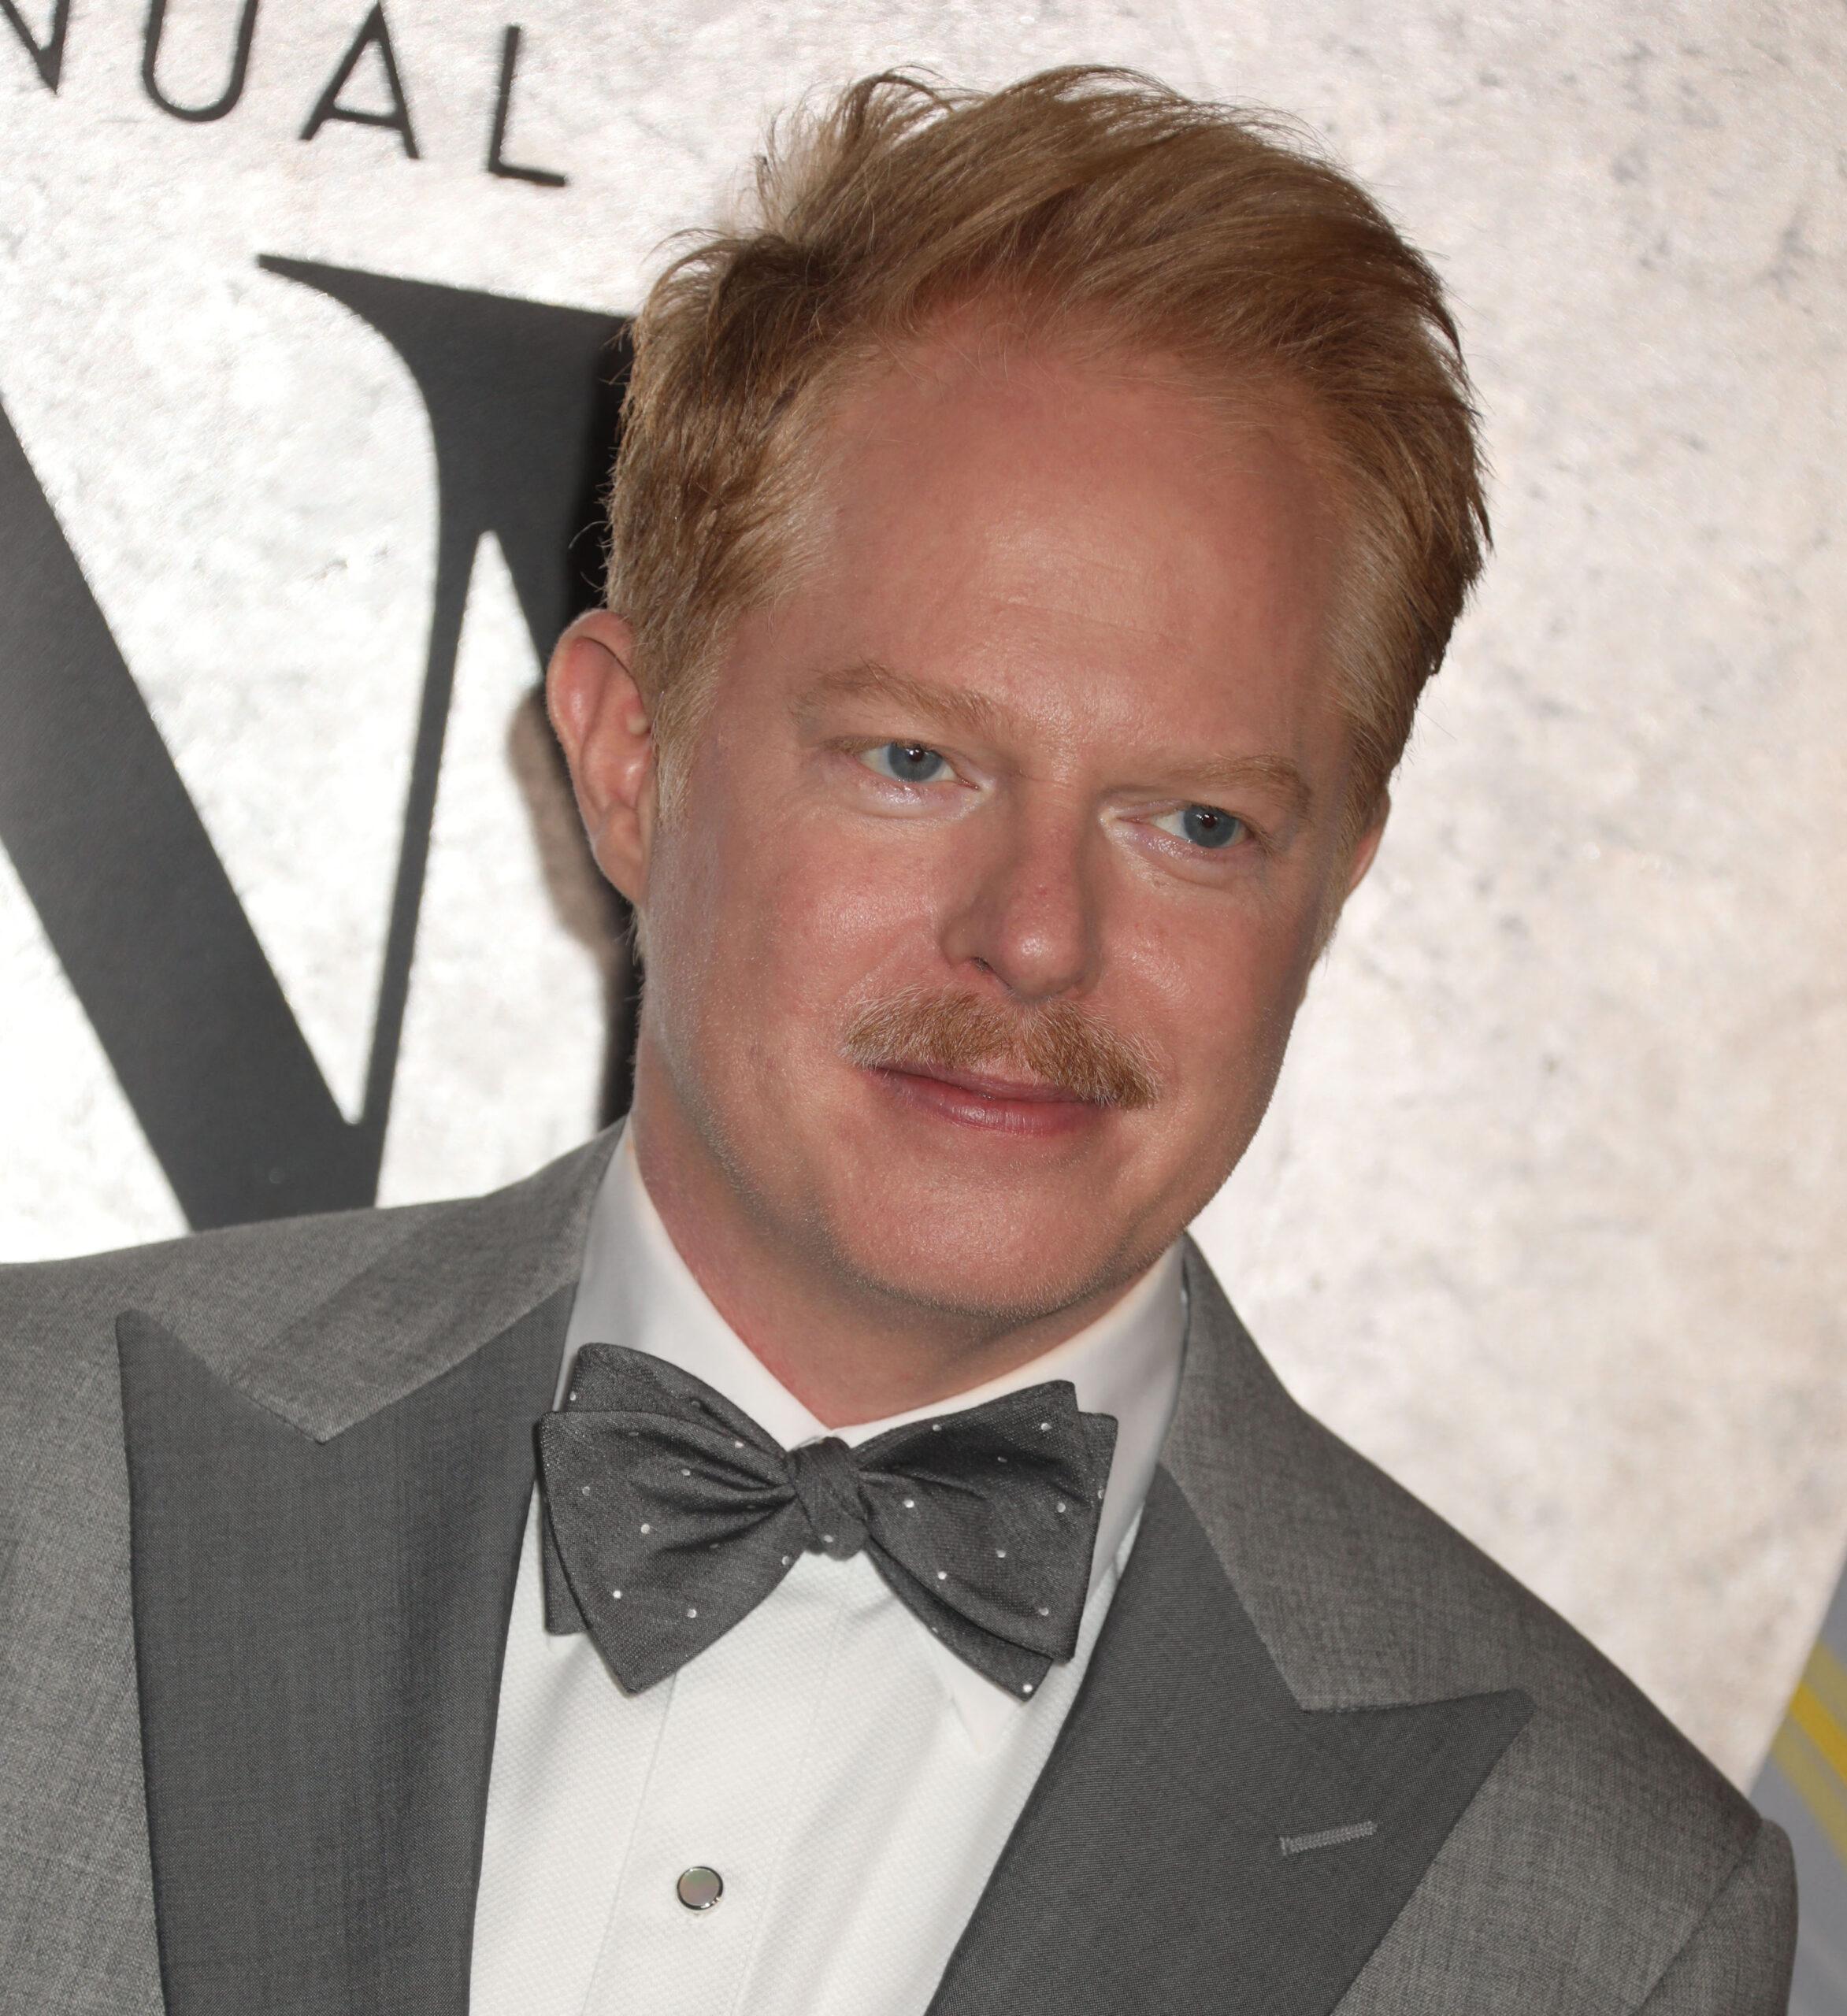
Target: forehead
1043 517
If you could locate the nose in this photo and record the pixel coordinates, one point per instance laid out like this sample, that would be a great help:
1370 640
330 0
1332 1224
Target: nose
1025 906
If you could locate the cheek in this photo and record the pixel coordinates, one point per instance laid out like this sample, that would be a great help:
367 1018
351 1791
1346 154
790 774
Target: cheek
1221 998
766 929
853 913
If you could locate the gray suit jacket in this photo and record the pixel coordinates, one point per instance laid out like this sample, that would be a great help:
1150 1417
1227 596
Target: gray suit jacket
261 1499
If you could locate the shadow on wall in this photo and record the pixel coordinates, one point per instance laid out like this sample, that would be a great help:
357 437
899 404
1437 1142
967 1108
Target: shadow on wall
523 402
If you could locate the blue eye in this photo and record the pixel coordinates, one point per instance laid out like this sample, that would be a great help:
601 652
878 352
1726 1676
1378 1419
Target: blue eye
905 762
1205 825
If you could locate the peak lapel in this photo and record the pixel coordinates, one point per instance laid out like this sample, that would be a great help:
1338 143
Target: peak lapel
464 1272
1235 1811
319 1626
1197 1841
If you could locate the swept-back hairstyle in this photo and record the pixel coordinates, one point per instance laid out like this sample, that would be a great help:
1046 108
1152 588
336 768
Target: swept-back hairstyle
1087 201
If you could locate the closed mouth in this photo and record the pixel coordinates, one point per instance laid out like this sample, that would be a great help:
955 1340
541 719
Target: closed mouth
985 1084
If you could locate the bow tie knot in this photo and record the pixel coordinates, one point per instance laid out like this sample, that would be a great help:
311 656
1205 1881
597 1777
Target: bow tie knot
670 1515
827 1487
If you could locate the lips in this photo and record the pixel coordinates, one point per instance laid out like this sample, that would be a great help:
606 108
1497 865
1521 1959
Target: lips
976 1103
986 1084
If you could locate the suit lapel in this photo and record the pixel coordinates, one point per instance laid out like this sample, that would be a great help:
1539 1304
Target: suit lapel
1197 1841
1232 1816
319 1629
325 1533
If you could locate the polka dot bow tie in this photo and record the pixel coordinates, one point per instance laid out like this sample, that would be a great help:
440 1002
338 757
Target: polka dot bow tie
670 1515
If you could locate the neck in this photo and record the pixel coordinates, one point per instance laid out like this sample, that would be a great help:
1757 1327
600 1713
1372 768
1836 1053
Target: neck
808 1320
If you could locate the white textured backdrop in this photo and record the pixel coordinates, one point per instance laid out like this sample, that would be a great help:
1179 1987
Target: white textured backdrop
1548 1216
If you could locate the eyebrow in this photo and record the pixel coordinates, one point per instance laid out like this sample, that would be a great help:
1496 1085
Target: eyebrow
1232 774
978 714
870 681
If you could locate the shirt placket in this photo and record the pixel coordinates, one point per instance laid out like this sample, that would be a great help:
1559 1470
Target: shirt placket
697 1879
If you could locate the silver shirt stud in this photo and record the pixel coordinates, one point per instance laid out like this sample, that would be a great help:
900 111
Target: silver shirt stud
699 1888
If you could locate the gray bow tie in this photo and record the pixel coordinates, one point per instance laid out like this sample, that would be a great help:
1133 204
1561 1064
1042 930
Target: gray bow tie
670 1515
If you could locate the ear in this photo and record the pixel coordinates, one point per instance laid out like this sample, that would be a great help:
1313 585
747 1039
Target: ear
1367 846
1359 860
603 725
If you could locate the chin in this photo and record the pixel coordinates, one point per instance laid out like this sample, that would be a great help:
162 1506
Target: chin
976 1261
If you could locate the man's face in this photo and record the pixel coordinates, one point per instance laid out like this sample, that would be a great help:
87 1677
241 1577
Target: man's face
1004 851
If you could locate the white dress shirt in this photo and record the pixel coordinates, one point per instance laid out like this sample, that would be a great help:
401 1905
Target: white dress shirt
852 1781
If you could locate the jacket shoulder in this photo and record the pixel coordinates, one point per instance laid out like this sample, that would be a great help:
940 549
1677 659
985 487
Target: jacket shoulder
1594 1852
60 1403
320 1319
1606 1859
1434 1616
249 1280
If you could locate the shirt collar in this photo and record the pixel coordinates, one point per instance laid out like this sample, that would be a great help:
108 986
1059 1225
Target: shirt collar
635 1290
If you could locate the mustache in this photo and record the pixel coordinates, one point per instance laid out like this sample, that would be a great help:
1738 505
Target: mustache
1060 1045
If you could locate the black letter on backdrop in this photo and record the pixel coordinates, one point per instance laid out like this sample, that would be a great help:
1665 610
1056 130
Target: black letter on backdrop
497 161
240 62
522 399
48 54
372 34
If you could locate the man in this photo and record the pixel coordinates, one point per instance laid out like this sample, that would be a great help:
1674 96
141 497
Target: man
830 1547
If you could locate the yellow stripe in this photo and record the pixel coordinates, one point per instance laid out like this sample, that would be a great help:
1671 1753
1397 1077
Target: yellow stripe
1800 1763
1809 1715
1828 1677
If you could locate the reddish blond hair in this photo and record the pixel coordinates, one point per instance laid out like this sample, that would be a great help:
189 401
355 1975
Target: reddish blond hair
1086 200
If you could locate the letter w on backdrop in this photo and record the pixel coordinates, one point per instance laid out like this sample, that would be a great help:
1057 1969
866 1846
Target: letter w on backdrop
522 399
